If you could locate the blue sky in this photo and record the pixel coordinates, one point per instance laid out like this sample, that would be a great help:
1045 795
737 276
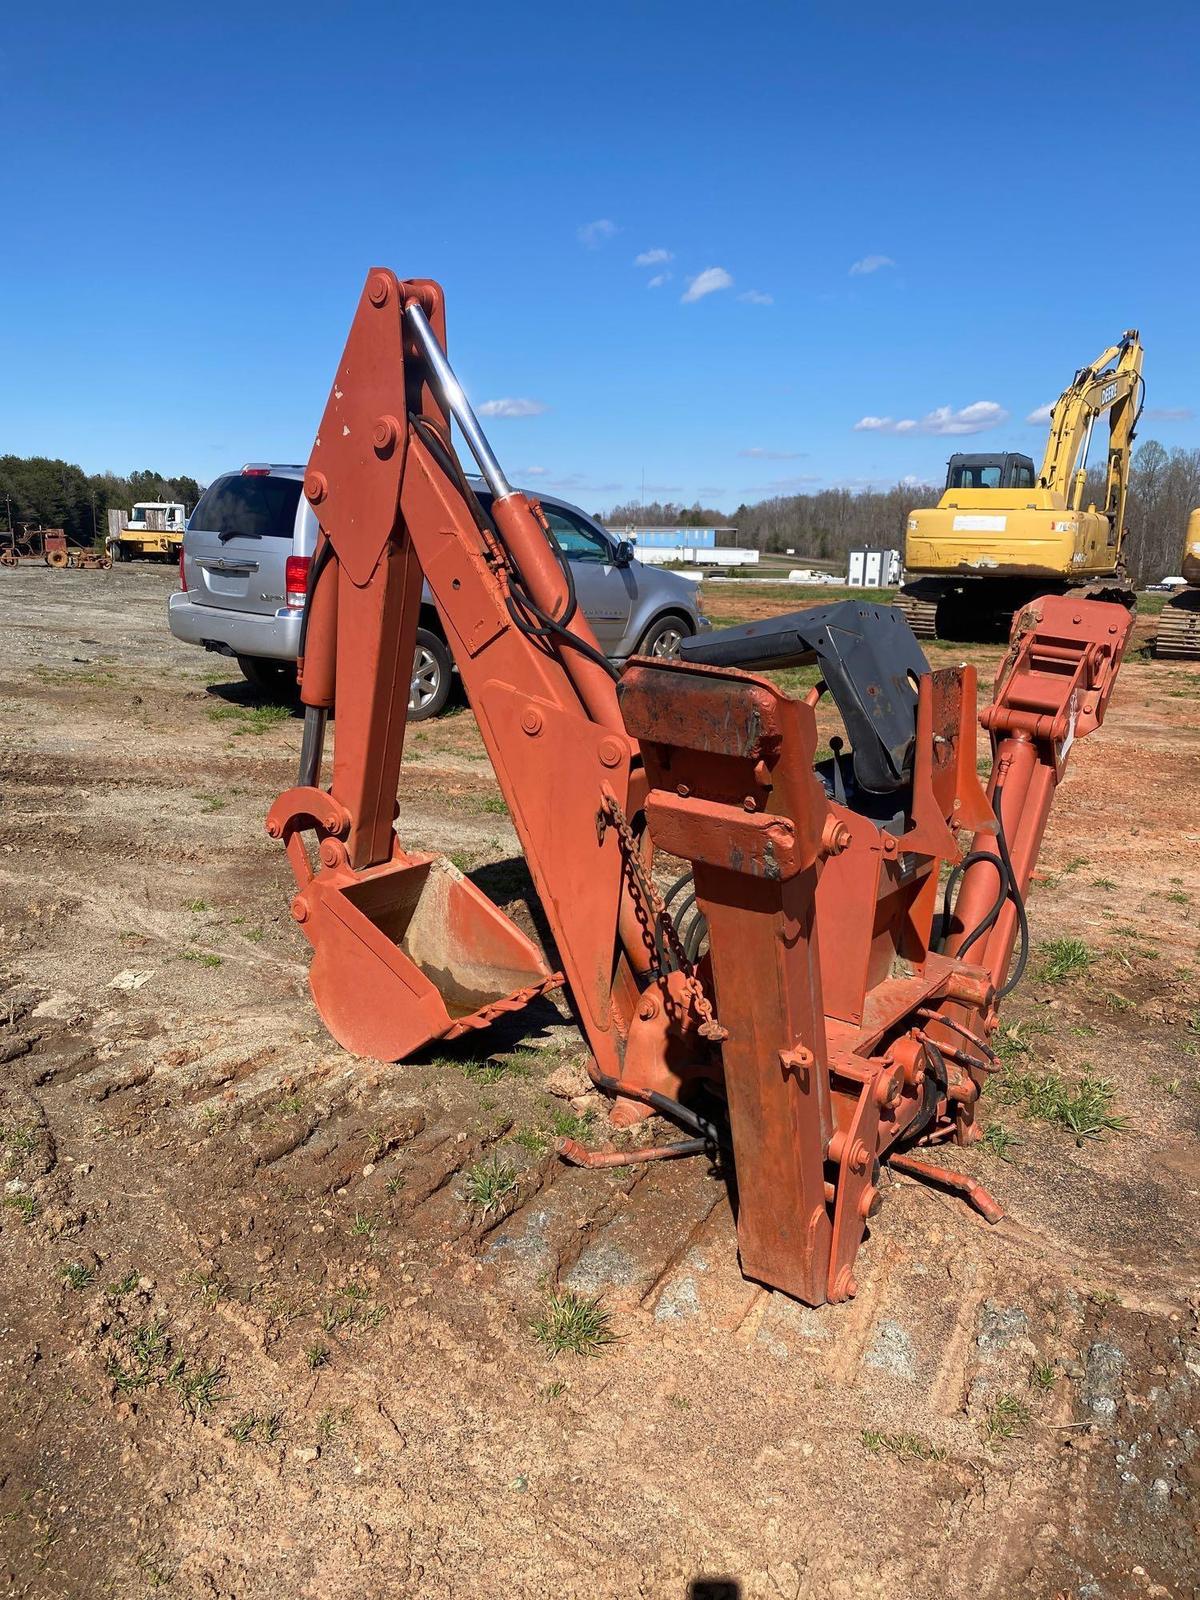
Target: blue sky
192 200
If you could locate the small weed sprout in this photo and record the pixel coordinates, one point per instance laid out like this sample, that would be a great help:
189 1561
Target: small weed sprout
489 1183
573 1325
75 1275
1007 1419
316 1357
904 1446
998 1139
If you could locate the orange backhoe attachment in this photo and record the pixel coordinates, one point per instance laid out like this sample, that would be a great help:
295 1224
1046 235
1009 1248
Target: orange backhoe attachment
804 1001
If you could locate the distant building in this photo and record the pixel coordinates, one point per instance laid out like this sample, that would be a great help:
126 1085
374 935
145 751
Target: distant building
873 569
708 547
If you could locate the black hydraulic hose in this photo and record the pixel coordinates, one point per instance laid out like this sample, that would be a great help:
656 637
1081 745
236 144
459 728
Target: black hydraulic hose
1022 919
674 1109
1007 891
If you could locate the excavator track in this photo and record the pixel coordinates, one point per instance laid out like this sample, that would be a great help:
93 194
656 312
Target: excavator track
1178 636
920 612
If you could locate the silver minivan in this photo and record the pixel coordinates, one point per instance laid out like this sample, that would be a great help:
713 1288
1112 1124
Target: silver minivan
244 569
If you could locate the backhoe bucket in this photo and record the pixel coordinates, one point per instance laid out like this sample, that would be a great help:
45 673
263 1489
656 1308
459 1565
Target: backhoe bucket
411 952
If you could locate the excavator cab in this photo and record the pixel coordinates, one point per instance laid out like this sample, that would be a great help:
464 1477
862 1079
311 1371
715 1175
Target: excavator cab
1006 471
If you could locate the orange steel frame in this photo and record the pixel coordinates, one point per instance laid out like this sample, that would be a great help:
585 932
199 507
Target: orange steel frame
823 1014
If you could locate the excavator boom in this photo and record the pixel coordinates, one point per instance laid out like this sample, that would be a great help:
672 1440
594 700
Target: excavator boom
827 1007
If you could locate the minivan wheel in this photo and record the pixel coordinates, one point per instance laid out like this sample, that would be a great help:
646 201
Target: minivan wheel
276 679
432 676
662 638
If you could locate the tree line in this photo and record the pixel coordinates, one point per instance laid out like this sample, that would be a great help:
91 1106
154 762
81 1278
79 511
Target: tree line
826 524
42 492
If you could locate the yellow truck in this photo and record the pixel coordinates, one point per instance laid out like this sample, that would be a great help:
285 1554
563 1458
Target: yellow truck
1178 637
1003 533
154 528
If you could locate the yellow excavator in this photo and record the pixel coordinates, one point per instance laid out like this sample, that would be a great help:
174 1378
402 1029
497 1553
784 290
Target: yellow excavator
1001 534
1178 637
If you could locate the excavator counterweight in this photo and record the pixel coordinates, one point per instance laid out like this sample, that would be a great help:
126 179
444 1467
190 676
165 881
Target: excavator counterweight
806 1001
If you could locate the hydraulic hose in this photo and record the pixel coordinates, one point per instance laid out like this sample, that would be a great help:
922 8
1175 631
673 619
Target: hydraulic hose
1007 891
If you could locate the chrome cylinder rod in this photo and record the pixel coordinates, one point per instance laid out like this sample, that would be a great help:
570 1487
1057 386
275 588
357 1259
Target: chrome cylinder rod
312 747
456 402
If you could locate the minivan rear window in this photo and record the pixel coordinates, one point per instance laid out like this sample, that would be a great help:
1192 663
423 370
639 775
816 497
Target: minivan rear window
251 506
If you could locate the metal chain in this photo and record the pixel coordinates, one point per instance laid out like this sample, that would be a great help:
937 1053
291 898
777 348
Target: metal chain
612 815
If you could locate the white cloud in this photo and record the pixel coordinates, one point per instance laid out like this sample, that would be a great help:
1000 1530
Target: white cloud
1042 414
706 282
755 297
593 234
757 453
512 407
1170 413
945 421
653 258
535 472
868 264
657 281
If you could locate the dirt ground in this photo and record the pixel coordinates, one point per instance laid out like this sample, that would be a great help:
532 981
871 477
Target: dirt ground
263 1335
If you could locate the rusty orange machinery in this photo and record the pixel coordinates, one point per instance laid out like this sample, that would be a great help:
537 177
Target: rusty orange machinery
842 1009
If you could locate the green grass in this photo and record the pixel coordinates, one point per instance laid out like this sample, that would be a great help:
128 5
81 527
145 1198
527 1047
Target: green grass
999 1140
572 1324
1063 958
196 1388
488 1184
146 1352
250 719
363 1227
1103 883
18 1143
75 1275
257 1427
496 805
331 1423
316 1357
1006 1419
195 905
122 1286
204 958
23 1204
904 1446
351 1308
1082 1107
1013 1039
1044 1377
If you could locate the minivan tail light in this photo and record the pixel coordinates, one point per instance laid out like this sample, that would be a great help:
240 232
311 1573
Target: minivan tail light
182 573
296 581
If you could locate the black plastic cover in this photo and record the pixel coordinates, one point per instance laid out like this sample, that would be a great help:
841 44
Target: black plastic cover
870 661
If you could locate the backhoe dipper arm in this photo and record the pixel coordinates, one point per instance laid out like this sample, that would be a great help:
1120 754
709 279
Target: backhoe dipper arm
1052 689
1112 383
405 948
